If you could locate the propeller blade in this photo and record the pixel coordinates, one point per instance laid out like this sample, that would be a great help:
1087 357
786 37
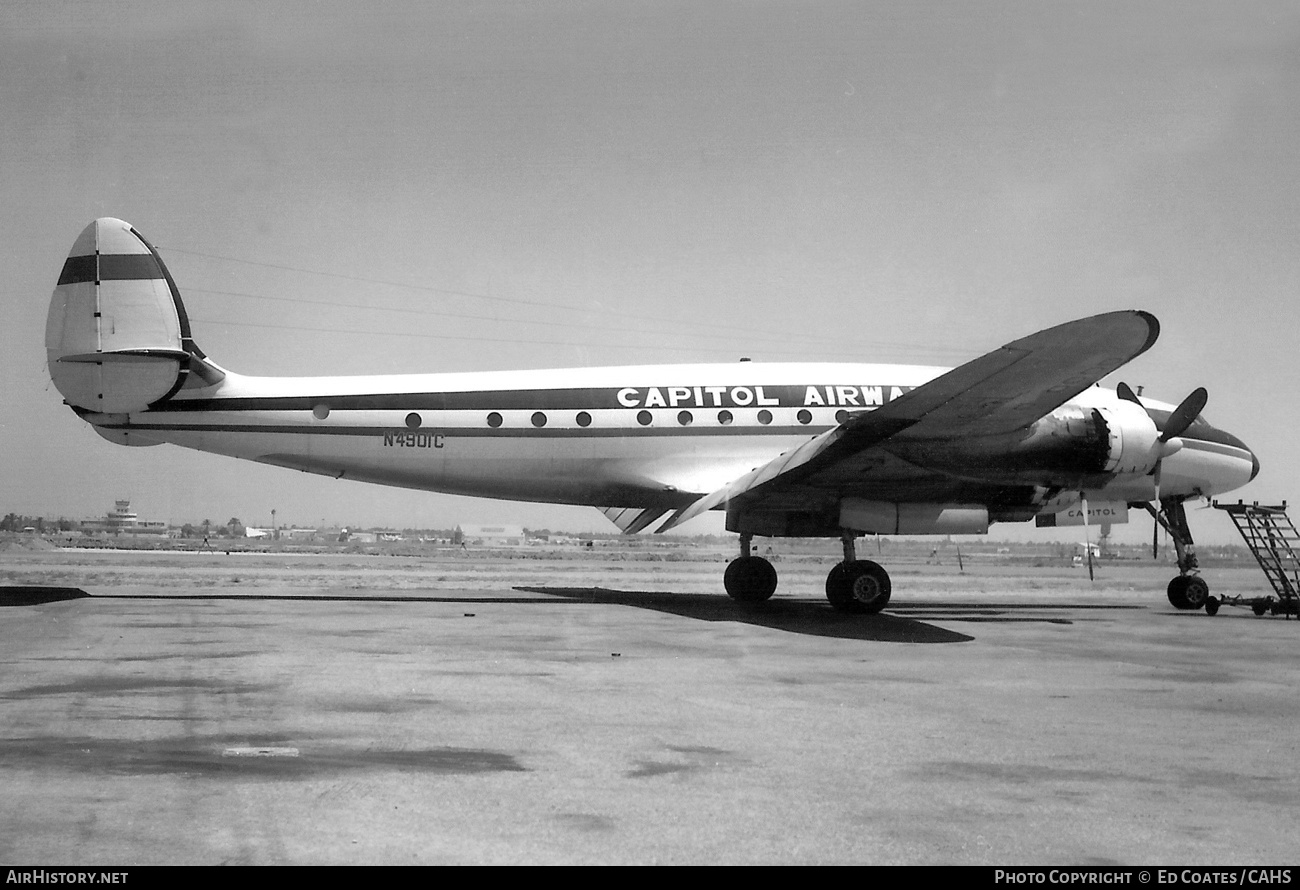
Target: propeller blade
1185 414
1087 535
1126 393
1182 417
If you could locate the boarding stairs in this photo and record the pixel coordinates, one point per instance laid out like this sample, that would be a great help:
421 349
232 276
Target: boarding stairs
1272 537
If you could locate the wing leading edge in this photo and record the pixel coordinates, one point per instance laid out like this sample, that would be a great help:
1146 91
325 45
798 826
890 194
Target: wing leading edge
1000 392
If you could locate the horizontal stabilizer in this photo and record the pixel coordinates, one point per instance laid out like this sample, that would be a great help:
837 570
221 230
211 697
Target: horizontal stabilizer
123 355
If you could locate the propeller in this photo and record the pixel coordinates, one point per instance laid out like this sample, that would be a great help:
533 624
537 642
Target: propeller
1185 414
1179 420
1182 417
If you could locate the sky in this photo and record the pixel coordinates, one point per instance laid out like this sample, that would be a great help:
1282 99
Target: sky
344 188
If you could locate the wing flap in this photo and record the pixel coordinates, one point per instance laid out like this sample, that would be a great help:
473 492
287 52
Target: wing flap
632 520
791 467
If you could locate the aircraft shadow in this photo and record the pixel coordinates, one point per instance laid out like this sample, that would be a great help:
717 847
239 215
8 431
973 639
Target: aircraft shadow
793 616
809 618
35 596
900 623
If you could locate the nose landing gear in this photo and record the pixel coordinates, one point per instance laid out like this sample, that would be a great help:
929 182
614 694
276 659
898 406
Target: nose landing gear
1188 590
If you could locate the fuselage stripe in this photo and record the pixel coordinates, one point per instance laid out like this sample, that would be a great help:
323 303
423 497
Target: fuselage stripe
818 395
474 432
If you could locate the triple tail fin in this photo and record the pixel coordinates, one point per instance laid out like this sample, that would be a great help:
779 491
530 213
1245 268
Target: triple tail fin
117 338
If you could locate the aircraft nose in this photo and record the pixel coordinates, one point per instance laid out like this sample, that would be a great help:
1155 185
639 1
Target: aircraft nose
1225 458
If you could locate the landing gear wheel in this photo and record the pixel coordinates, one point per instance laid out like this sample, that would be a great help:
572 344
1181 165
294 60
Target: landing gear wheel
749 579
860 587
1188 592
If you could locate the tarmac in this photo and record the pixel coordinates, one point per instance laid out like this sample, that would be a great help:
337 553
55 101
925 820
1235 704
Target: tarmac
589 725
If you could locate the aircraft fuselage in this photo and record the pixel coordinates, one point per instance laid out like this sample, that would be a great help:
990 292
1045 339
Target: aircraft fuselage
652 436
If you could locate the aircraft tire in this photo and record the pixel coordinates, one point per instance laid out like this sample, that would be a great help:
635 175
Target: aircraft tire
861 587
1188 592
749 579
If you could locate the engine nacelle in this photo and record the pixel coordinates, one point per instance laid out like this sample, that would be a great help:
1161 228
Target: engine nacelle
1077 445
1134 444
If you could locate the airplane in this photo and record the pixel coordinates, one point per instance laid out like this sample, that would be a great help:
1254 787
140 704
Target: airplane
832 450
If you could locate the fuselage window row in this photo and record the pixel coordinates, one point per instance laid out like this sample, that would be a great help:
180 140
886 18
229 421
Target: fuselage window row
645 418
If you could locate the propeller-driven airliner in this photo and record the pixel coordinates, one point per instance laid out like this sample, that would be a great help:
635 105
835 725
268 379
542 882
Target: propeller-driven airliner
839 451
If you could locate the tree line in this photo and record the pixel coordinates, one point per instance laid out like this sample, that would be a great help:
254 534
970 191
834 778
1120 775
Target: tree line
16 522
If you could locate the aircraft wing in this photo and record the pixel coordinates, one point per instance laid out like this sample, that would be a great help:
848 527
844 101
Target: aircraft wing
1000 392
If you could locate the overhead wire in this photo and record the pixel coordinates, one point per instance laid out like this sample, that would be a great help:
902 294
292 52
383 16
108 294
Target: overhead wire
441 313
454 337
451 292
818 343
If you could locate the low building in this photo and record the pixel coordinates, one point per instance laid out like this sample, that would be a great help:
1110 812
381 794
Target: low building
493 535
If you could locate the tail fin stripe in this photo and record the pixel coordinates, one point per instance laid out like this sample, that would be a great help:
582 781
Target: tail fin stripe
78 269
112 267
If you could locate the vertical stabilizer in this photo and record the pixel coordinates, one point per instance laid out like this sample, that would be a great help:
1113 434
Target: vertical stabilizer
117 338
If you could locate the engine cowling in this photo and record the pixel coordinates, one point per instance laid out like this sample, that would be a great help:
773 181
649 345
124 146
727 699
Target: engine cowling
1134 445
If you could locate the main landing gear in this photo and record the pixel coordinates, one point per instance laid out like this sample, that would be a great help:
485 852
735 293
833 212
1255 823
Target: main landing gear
857 586
749 579
1188 590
